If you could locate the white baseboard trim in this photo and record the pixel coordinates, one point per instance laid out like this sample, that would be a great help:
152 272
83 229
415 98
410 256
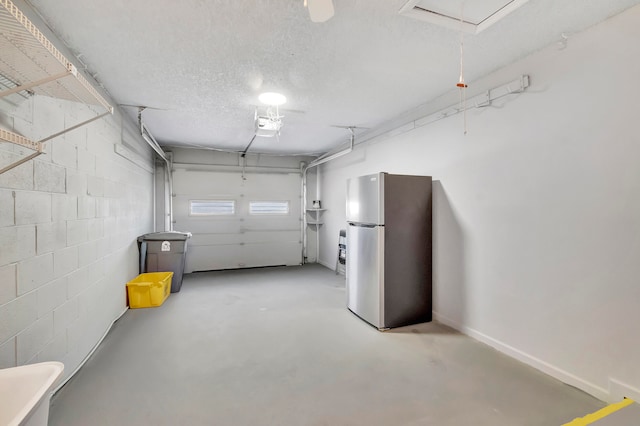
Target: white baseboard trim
619 390
86 358
545 367
327 265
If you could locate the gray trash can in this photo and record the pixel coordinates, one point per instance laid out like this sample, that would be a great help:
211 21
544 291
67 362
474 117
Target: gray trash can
164 252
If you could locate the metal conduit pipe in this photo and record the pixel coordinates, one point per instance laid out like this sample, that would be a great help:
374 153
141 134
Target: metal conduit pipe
151 141
303 210
153 197
169 169
318 161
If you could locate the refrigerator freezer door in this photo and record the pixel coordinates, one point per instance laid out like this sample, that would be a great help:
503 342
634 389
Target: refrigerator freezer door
365 271
365 199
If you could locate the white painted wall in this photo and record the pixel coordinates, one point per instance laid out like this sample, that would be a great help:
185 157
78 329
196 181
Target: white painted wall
536 209
68 226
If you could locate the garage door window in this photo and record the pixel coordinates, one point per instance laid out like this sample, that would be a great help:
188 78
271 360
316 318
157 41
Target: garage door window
212 207
269 207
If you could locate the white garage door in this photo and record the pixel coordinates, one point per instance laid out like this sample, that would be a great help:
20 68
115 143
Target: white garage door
238 222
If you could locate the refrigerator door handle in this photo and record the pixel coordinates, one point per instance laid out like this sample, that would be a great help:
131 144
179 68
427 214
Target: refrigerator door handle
363 225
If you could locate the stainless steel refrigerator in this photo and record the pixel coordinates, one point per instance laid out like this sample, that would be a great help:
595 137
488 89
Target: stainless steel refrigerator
389 267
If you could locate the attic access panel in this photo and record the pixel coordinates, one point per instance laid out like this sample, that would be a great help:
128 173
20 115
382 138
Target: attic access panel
461 15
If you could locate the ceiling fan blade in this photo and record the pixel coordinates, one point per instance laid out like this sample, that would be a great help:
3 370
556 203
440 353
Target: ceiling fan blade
320 10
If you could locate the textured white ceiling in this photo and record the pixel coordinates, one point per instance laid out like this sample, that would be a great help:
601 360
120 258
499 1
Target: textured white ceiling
203 63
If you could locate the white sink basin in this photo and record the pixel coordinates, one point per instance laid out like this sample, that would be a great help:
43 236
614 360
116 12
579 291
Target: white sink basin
25 393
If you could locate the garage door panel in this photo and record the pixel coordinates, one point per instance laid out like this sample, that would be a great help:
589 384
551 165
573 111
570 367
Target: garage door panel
289 236
270 254
197 227
292 236
215 239
196 182
207 258
240 229
271 223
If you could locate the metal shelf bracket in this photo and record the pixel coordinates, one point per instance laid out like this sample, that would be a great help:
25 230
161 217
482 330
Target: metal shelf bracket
31 61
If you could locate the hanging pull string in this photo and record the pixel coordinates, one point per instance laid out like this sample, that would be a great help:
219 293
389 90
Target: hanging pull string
461 84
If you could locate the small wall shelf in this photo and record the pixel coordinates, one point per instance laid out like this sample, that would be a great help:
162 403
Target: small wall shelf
30 62
315 214
313 220
316 217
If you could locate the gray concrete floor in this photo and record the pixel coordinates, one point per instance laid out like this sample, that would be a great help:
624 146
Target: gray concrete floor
627 416
277 346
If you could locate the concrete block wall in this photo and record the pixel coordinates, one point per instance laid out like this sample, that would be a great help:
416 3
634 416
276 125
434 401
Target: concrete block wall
68 226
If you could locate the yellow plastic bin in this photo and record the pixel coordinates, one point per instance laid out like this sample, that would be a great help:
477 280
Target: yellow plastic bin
149 290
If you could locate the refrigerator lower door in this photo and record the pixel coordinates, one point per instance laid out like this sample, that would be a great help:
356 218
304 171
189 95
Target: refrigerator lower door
365 272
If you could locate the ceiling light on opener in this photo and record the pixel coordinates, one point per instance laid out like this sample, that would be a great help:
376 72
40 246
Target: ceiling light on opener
272 98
